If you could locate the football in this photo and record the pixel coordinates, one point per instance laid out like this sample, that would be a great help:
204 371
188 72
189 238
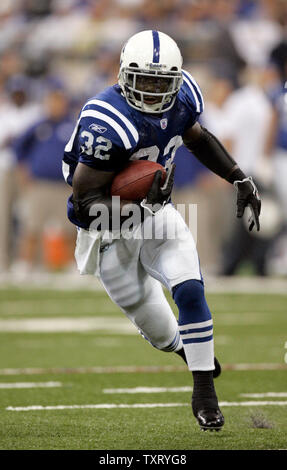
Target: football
135 180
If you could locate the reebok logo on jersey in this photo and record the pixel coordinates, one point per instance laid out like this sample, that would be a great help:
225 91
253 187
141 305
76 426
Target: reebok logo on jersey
97 128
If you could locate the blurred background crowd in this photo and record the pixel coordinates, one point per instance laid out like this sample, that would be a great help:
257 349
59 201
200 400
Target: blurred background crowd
54 54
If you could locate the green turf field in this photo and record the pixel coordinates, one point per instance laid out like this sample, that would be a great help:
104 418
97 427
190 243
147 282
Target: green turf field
74 349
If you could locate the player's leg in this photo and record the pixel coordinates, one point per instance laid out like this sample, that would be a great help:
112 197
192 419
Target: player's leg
139 296
171 257
196 330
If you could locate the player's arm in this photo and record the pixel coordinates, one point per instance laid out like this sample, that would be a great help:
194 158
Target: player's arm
101 154
211 153
91 187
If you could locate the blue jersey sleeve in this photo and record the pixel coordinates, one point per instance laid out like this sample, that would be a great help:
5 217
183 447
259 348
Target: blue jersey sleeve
104 138
191 96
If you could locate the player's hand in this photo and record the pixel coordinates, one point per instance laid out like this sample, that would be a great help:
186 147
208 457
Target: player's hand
159 195
247 195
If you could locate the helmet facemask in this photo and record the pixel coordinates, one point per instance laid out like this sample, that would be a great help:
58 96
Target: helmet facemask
149 91
150 71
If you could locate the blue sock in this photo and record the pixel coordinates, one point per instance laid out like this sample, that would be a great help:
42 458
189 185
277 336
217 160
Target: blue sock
195 324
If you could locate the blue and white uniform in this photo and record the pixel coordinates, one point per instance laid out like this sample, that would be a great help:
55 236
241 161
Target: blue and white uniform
109 133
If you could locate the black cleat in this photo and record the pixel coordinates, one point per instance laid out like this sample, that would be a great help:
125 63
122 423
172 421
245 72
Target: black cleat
204 402
210 419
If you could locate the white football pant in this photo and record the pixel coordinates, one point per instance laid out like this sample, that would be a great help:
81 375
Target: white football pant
130 271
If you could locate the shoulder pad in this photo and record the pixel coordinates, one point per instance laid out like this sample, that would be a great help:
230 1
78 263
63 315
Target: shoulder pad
105 119
192 93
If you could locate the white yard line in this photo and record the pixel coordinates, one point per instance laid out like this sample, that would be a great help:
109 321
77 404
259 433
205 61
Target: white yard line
265 395
186 389
98 406
255 366
92 370
253 403
137 405
147 390
131 369
110 325
30 385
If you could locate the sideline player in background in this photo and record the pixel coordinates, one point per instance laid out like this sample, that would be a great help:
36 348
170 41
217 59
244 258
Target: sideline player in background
153 109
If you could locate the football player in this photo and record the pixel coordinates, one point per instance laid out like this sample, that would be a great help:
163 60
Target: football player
152 109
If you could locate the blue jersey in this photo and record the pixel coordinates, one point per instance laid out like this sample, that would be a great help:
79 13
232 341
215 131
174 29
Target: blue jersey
109 132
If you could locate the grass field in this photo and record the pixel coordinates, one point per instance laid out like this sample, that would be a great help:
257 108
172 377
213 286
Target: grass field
70 354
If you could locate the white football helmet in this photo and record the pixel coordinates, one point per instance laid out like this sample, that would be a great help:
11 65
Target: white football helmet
150 71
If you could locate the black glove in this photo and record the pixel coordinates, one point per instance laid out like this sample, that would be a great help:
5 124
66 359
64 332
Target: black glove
159 195
247 195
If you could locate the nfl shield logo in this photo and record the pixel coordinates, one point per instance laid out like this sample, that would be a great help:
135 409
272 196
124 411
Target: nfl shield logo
163 123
